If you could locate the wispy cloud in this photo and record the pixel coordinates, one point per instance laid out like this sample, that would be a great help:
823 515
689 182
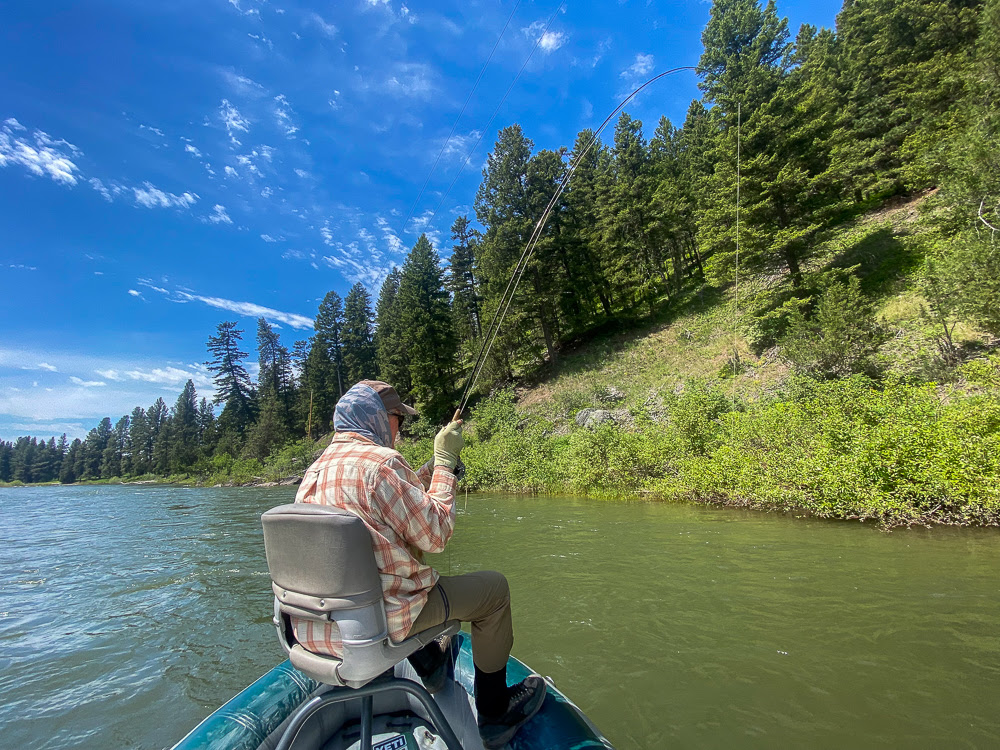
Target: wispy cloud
87 383
150 196
192 150
233 121
40 366
412 80
219 215
327 28
250 309
42 155
422 225
642 66
283 113
548 41
391 238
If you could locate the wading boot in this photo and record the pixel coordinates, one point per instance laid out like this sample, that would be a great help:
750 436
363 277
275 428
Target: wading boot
433 663
524 701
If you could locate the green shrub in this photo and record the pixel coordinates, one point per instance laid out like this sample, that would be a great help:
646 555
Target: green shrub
839 337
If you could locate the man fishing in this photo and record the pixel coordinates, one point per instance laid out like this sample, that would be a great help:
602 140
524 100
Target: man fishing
409 513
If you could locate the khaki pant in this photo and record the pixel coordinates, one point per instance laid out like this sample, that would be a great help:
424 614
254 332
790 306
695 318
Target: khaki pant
481 598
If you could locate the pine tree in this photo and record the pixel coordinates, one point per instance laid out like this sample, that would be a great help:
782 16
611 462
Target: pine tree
329 326
140 443
393 358
584 272
275 382
207 434
358 336
114 453
427 330
462 282
502 208
183 446
905 65
232 383
68 471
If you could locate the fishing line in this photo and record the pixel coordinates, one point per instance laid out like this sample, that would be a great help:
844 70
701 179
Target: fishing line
522 263
495 111
457 119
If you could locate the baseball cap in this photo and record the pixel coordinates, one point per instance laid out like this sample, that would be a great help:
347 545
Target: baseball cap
390 399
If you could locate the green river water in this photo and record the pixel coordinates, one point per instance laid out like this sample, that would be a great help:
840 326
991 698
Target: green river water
128 613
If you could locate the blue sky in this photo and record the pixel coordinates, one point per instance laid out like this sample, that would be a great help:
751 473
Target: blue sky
168 166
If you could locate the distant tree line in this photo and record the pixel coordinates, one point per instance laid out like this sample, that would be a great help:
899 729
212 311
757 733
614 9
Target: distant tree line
901 97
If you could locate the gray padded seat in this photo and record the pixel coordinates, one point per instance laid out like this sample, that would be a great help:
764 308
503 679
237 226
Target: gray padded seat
323 569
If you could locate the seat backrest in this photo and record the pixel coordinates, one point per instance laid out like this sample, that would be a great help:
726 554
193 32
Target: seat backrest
323 568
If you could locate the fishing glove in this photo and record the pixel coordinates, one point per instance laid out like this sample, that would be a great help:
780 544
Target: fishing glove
448 444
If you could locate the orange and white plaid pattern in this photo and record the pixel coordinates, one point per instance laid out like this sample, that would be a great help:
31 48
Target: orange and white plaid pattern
405 520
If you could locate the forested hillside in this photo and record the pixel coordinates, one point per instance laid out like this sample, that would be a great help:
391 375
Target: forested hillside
766 212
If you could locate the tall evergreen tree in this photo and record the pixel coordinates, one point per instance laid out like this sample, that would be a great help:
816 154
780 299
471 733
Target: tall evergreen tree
232 383
392 356
462 280
112 462
358 336
184 430
427 330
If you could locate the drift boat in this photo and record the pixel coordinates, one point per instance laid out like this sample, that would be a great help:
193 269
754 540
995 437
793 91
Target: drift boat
257 718
369 697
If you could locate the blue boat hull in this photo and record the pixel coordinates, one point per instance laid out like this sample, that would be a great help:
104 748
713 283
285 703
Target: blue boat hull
249 721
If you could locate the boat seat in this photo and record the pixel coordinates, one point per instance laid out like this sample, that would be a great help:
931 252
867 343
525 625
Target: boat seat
323 569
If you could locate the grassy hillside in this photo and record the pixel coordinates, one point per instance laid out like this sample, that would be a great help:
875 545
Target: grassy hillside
705 405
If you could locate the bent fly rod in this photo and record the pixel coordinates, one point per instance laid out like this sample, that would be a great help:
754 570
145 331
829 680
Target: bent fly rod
529 248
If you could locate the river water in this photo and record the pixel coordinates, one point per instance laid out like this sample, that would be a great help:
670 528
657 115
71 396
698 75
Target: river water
129 613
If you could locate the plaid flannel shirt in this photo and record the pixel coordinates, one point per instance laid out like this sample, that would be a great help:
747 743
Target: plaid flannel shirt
377 484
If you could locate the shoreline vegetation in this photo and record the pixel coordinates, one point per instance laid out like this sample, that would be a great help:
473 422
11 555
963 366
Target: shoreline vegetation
890 452
827 343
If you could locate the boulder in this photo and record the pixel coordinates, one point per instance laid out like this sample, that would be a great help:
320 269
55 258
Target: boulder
591 418
612 395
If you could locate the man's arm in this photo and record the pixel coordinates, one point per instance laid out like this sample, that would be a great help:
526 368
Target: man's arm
424 519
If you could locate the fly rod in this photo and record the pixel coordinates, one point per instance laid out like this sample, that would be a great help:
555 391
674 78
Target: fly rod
519 268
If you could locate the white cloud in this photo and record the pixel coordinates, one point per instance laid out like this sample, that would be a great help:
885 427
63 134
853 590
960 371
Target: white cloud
642 66
192 150
422 225
283 113
327 28
39 366
460 145
136 383
87 383
151 129
302 173
268 238
548 41
152 197
231 172
233 121
242 308
392 239
175 376
22 267
219 215
414 80
101 188
45 156
135 293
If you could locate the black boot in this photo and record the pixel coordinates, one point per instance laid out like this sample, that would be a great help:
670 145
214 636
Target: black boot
503 710
433 663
